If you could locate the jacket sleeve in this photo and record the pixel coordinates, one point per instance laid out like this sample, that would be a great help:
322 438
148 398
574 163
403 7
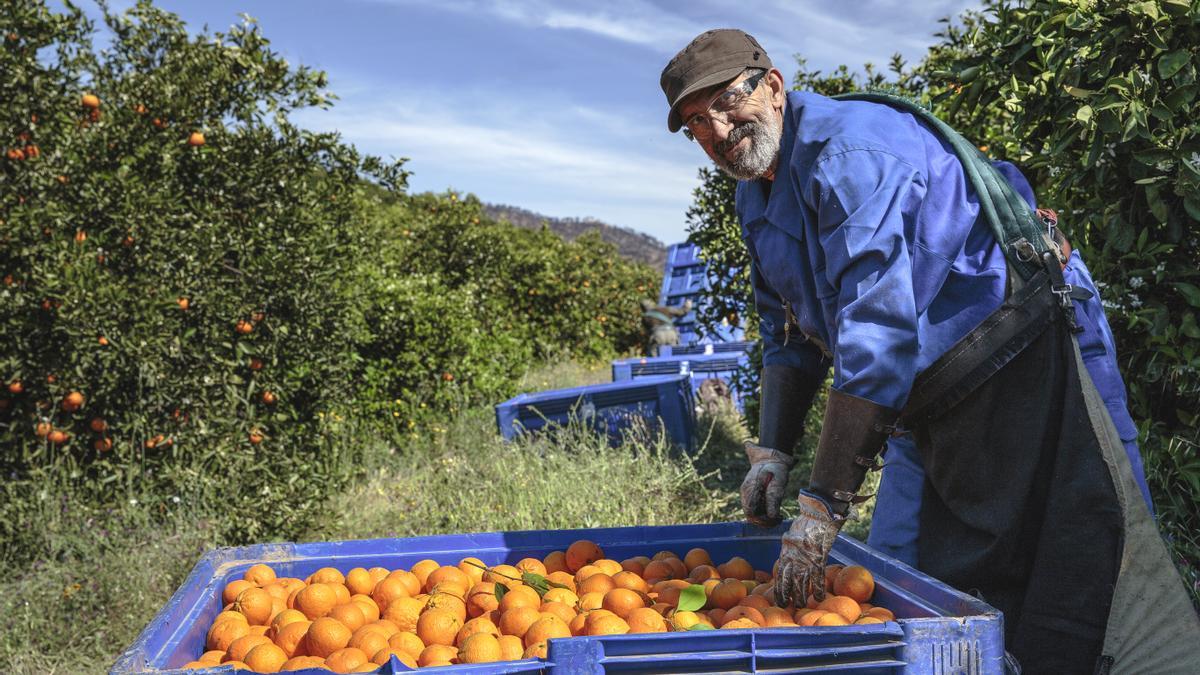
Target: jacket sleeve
866 201
778 348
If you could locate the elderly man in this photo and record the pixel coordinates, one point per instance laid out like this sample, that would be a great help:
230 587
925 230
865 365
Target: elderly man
948 326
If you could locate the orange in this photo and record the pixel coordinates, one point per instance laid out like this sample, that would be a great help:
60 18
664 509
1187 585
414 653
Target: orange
597 583
350 615
507 575
473 568
561 610
277 590
259 575
684 620
358 580
423 569
762 577
744 612
346 660
228 614
369 609
511 647
665 555
302 663
881 613
607 625
236 664
388 627
479 648
831 572
404 612
521 596
545 628
326 636
438 627
658 570
869 619
196 139
223 633
736 568
582 552
590 601
562 578
846 607
532 566
756 601
518 620
369 639
482 598
662 608
831 619
766 590
233 588
539 650
240 647
316 600
389 589
854 582
679 569
448 602
437 655
777 616
327 575
716 614
637 565
477 625
727 593
447 573
645 620
740 622
608 566
555 561
622 601
563 595
377 575
212 656
341 593
412 583
289 637
385 655
259 630
587 571
255 605
633 582
702 573
577 624
407 642
195 665
265 658
695 558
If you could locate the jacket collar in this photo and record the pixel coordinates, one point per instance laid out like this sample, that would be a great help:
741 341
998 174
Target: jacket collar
780 209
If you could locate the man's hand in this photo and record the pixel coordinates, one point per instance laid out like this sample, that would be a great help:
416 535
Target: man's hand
764 485
805 547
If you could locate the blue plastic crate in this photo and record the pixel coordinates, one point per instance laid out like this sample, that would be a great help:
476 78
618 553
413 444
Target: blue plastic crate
938 630
683 254
723 366
682 281
707 348
611 408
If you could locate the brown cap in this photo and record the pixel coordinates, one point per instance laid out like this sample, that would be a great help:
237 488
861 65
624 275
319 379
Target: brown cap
714 57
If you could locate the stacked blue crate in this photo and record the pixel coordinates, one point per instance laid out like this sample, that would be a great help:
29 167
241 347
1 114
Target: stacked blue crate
685 277
723 366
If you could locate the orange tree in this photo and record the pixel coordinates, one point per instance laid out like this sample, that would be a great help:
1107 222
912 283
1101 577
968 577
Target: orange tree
176 251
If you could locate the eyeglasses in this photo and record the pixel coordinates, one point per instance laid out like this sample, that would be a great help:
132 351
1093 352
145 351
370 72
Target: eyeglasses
699 126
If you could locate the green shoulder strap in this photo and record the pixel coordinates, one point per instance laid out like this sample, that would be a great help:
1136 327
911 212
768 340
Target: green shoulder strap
1022 237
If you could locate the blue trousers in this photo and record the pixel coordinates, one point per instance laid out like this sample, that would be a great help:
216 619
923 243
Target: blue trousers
895 526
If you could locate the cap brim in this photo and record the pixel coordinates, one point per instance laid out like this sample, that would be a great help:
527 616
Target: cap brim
674 121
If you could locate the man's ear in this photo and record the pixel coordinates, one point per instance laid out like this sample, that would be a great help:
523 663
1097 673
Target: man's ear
778 88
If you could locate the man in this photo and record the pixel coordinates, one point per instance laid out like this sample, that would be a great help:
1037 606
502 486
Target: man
871 254
659 322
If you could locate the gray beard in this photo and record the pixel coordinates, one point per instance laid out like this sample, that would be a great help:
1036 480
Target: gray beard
755 161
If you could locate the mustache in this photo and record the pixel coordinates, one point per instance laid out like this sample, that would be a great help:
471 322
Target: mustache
739 132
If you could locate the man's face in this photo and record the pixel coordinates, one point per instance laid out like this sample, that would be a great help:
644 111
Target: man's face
740 133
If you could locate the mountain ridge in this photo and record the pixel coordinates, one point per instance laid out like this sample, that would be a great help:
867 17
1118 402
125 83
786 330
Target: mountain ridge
631 244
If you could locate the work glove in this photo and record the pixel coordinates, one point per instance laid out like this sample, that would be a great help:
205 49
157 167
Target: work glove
806 546
765 483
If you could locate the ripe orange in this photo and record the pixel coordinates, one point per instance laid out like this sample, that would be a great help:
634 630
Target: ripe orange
195 139
387 590
511 647
532 566
521 596
597 583
316 600
411 582
103 444
369 639
42 429
449 602
408 642
633 582
98 425
622 601
255 437
555 561
868 619
482 598
326 636
636 564
855 582
243 327
517 620
881 613
437 655
744 612
561 610
369 609
269 398
438 627
645 620
223 633
302 662
607 625
582 552
702 573
423 569
562 578
473 568
659 570
255 605
831 619
239 648
72 401
289 636
90 101
736 568
845 607
756 601
727 593
740 622
350 615
563 595
608 566
480 624
385 655
545 628
448 573
346 660
404 612
479 648
233 588
831 572
507 575
777 616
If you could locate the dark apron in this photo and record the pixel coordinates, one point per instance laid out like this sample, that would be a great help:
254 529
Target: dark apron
1019 507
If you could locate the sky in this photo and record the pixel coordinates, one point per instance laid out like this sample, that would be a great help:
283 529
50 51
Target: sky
550 106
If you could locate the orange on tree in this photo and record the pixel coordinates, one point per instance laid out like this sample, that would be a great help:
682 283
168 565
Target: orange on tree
90 101
195 139
72 401
58 437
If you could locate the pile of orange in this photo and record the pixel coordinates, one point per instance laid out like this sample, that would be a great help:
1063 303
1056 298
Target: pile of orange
434 614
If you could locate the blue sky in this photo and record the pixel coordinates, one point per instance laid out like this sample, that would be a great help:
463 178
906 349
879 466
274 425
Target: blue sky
550 106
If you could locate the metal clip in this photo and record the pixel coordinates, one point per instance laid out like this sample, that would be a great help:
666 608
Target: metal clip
1025 250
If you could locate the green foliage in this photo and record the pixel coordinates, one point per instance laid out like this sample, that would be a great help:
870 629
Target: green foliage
1098 104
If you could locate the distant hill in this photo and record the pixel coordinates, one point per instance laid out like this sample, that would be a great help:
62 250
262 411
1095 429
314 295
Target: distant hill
630 244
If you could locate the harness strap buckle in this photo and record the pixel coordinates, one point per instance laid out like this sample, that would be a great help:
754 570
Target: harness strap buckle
869 463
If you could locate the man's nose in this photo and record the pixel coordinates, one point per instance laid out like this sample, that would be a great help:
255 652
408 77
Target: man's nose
721 126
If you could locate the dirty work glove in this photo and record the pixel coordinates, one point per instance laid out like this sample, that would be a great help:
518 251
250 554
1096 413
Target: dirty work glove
805 547
764 485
